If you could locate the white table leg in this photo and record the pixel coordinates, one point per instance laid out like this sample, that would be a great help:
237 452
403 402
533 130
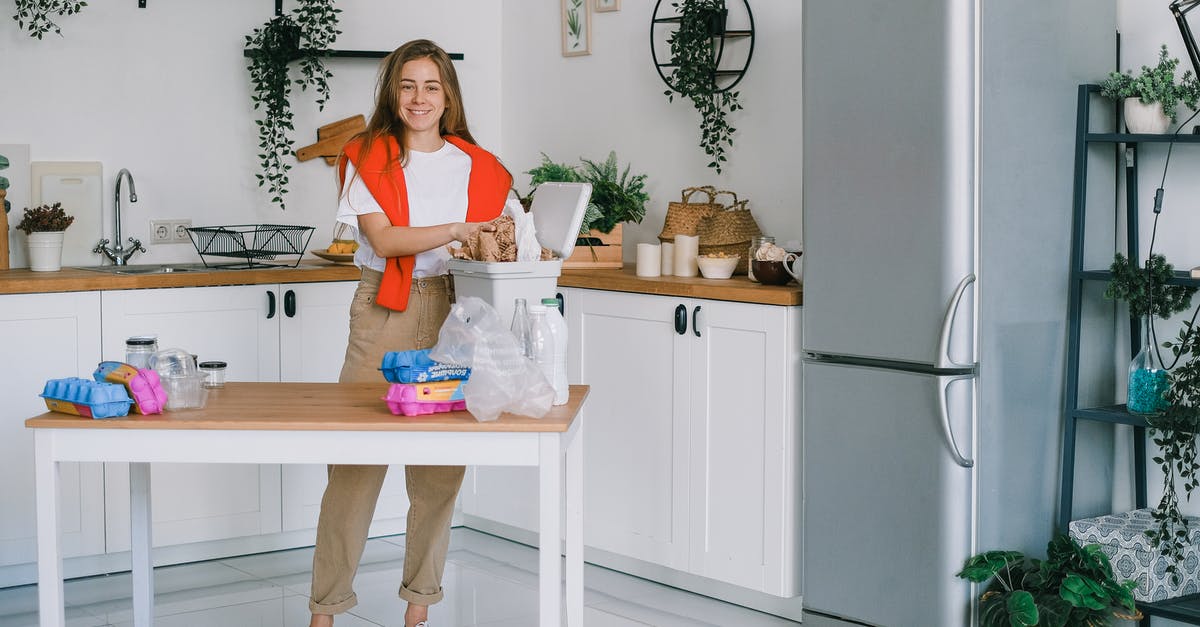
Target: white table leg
574 480
51 612
140 522
549 560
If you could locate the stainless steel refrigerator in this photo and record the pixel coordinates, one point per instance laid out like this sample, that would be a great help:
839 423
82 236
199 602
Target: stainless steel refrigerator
938 156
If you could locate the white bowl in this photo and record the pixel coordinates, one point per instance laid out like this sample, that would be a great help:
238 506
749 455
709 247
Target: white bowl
717 267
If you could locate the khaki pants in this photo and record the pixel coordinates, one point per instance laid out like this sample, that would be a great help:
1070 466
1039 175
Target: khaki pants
349 502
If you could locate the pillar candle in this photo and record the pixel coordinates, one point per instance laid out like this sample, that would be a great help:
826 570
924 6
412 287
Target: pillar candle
668 258
649 260
687 248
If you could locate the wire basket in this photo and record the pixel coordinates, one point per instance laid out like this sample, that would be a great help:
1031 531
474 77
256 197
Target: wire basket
251 243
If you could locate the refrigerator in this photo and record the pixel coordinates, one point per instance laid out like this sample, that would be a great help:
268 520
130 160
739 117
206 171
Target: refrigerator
938 160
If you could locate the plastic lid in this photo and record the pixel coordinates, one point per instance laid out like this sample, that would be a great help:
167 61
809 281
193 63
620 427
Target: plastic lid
550 302
557 211
212 365
141 340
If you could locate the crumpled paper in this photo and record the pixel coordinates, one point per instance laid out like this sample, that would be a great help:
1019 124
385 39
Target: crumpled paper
515 239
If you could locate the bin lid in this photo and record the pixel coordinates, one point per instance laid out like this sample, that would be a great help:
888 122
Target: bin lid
557 211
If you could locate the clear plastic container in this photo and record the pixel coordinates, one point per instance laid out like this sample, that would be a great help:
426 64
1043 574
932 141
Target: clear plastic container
558 329
184 391
214 373
541 340
138 350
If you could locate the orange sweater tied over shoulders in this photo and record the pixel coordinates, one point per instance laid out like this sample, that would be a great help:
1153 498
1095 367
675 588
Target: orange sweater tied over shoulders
487 189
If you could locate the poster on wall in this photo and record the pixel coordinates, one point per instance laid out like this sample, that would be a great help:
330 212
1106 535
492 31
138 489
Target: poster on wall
576 28
604 6
17 196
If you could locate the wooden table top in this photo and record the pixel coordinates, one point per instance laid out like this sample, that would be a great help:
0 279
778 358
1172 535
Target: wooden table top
314 407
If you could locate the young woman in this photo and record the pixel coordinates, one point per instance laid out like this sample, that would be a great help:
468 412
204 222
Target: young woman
412 182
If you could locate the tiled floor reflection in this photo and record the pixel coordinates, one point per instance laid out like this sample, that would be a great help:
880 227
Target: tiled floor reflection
489 582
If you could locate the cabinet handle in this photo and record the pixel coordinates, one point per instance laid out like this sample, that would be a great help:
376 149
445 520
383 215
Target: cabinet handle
270 304
696 323
681 319
289 304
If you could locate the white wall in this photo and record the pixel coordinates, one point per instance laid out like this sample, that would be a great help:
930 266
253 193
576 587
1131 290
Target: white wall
164 91
571 107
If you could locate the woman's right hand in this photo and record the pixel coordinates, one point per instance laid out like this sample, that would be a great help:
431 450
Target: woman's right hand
462 231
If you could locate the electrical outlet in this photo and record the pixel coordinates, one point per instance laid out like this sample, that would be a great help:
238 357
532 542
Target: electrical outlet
181 231
162 232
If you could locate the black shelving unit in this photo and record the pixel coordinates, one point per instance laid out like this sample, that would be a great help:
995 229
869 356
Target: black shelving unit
1186 608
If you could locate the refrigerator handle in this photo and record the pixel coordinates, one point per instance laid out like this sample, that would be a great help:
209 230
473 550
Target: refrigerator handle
944 413
943 348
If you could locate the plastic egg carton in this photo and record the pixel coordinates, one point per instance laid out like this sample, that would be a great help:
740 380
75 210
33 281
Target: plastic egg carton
83 397
416 367
143 385
418 399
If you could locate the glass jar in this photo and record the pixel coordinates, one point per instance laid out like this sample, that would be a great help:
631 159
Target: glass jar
1148 379
755 244
214 373
138 350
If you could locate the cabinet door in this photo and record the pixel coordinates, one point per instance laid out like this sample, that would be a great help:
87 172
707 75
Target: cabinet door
45 336
198 502
636 463
745 438
312 347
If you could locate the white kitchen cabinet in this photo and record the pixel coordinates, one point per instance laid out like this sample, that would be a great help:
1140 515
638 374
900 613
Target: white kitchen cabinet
692 453
45 336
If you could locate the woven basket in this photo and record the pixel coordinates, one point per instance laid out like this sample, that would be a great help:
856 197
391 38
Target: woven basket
729 231
685 215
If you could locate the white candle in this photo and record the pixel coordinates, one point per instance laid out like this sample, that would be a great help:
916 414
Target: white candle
668 258
649 260
687 248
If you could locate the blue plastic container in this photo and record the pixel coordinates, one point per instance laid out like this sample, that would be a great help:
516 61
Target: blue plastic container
84 397
416 367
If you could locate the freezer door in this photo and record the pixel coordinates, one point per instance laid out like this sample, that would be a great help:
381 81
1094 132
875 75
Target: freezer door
888 177
887 505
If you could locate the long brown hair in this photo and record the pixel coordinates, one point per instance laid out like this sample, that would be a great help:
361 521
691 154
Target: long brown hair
386 121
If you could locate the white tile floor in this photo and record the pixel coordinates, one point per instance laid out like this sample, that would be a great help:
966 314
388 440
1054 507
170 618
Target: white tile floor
489 582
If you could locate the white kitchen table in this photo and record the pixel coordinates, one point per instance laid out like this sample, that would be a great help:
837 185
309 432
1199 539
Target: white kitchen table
301 423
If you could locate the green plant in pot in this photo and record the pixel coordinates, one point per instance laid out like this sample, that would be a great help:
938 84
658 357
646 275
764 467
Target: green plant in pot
34 15
302 36
695 74
1074 585
43 226
616 196
1151 99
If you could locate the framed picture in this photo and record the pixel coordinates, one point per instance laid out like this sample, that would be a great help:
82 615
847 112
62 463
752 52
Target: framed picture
576 27
604 6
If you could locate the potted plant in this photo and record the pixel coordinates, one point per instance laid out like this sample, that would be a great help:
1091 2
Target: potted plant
1152 97
695 74
1074 585
34 15
304 36
44 226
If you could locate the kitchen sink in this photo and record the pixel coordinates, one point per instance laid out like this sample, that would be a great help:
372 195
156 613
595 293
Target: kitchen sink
167 268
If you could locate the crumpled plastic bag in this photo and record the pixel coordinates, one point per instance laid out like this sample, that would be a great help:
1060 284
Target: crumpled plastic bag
528 248
502 379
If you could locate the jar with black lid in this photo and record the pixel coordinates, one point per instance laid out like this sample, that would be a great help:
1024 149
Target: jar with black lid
138 350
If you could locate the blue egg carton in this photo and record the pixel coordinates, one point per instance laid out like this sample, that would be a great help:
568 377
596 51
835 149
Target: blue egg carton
84 397
417 367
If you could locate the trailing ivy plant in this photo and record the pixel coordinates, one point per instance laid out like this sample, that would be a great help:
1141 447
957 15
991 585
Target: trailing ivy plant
34 15
302 36
696 71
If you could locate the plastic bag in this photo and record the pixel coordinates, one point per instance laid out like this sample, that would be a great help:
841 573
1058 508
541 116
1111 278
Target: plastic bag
528 247
502 379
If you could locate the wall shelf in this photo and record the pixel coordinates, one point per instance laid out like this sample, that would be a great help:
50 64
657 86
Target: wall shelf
358 54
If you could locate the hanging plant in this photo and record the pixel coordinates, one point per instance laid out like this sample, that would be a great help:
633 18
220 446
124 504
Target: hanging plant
695 74
34 15
302 36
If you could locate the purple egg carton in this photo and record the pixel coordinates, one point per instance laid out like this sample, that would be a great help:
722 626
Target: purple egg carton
83 397
419 399
143 385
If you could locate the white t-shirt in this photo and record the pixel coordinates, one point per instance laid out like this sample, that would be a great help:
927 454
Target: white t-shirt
437 194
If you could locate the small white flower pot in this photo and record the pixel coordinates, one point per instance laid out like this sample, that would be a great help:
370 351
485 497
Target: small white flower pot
45 251
1145 118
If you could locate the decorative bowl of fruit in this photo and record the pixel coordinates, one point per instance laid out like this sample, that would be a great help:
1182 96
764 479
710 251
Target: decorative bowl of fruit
340 250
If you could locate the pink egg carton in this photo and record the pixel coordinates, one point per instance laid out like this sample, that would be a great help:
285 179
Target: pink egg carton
143 385
418 399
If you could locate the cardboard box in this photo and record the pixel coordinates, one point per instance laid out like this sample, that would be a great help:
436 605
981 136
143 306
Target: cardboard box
1134 556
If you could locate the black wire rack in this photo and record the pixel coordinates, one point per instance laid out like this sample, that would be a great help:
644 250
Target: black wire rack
251 244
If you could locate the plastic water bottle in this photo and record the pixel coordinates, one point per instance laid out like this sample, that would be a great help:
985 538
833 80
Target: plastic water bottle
558 328
541 339
521 327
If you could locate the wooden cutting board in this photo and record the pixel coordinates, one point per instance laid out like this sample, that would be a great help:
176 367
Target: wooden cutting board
331 138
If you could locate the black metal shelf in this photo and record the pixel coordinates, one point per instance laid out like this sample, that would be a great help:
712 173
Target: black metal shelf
357 54
1141 138
1179 277
1186 608
1116 414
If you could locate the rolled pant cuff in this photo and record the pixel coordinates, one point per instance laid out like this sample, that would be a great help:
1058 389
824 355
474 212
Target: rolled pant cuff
332 608
420 599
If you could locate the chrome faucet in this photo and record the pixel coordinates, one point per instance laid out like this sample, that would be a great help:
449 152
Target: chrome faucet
118 254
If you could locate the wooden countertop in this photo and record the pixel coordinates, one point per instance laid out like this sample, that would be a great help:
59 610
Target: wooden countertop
25 281
737 288
313 407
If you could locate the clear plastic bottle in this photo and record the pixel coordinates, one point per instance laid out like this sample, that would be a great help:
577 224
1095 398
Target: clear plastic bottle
558 328
521 327
541 340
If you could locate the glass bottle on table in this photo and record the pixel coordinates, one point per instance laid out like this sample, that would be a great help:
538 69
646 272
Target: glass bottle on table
520 327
